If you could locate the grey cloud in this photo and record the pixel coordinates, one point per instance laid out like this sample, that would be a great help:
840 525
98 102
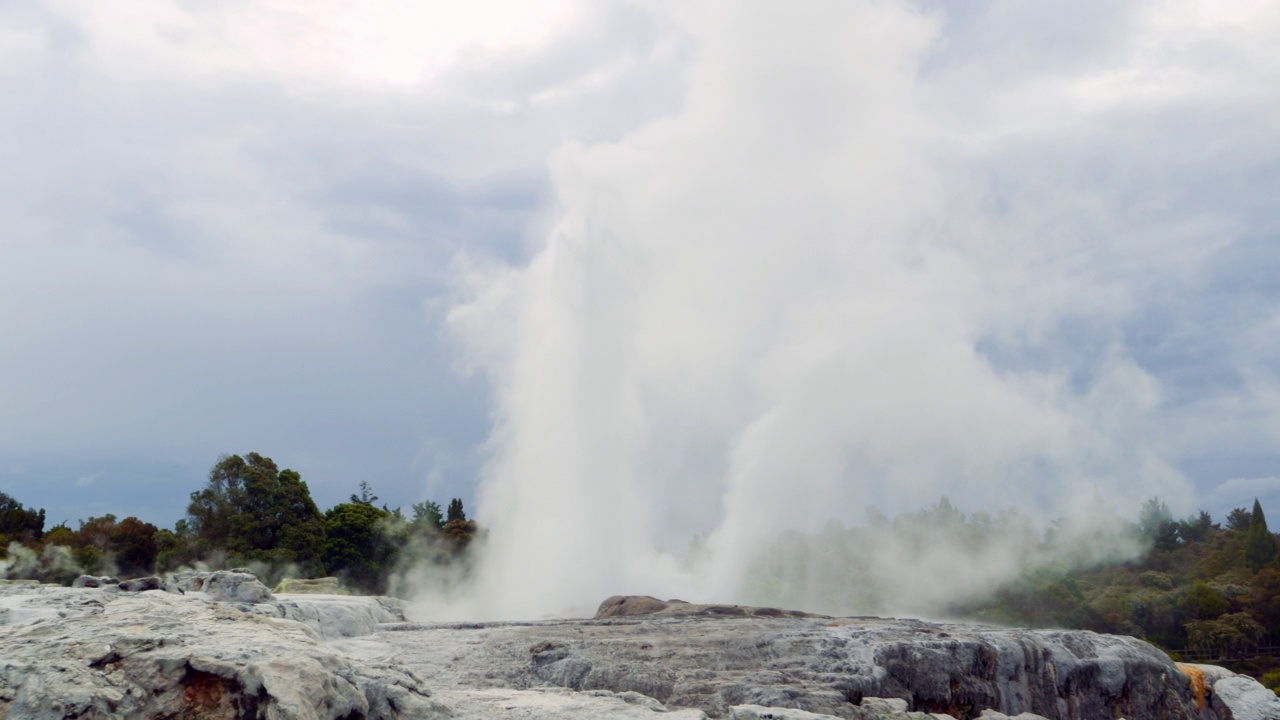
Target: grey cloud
195 264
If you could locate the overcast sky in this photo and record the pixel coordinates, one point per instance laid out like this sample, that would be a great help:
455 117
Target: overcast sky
276 226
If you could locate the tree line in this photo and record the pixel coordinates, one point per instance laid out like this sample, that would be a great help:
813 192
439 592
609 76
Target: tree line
249 513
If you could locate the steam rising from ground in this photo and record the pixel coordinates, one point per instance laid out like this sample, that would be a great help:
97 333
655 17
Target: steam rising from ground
828 283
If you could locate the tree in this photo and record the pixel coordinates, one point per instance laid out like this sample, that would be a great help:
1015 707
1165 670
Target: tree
25 525
1196 528
1259 543
1263 600
127 547
1238 519
455 511
427 515
1227 634
1203 602
360 547
133 543
257 512
1156 524
366 495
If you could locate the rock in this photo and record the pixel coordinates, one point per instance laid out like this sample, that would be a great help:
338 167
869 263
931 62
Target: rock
631 605
686 657
338 616
555 704
24 605
188 580
99 652
1244 697
93 581
235 586
624 605
143 584
159 655
321 586
758 712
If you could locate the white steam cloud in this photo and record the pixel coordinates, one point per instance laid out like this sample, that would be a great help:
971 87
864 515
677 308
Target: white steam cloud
837 278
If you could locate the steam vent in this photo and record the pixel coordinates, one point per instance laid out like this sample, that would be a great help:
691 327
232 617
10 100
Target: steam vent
221 645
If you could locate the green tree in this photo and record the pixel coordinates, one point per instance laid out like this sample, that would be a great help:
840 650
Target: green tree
1203 602
1228 634
1238 519
361 545
18 523
1156 524
127 547
455 511
177 547
1259 543
133 543
427 515
257 512
1196 528
366 495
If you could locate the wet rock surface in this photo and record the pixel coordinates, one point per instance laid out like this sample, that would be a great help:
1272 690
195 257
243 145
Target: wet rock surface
104 652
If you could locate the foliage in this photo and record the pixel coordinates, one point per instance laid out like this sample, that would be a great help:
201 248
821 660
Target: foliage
366 495
18 523
1239 519
249 513
1259 544
1227 634
1271 681
359 547
258 513
427 515
134 546
1155 523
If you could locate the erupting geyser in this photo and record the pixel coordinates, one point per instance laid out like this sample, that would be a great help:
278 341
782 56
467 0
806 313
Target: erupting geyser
777 306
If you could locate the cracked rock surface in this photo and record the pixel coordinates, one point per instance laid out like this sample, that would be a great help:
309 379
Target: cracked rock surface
825 666
107 653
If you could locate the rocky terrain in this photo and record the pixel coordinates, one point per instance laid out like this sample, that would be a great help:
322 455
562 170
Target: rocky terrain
221 645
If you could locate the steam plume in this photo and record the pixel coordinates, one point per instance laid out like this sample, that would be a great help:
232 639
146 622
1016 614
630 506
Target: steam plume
781 305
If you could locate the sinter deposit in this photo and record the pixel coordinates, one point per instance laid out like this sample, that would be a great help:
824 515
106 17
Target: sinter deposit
221 645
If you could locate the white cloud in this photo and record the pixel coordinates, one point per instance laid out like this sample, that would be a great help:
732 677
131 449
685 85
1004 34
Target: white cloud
382 42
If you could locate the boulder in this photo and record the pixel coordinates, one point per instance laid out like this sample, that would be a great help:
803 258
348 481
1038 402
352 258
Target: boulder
624 605
93 581
337 616
188 580
1244 697
235 586
143 584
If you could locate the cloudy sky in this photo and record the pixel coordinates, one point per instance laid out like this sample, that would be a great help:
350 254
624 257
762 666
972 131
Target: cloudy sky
696 258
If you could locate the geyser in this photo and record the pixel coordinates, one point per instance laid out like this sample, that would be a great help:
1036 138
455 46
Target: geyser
778 306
